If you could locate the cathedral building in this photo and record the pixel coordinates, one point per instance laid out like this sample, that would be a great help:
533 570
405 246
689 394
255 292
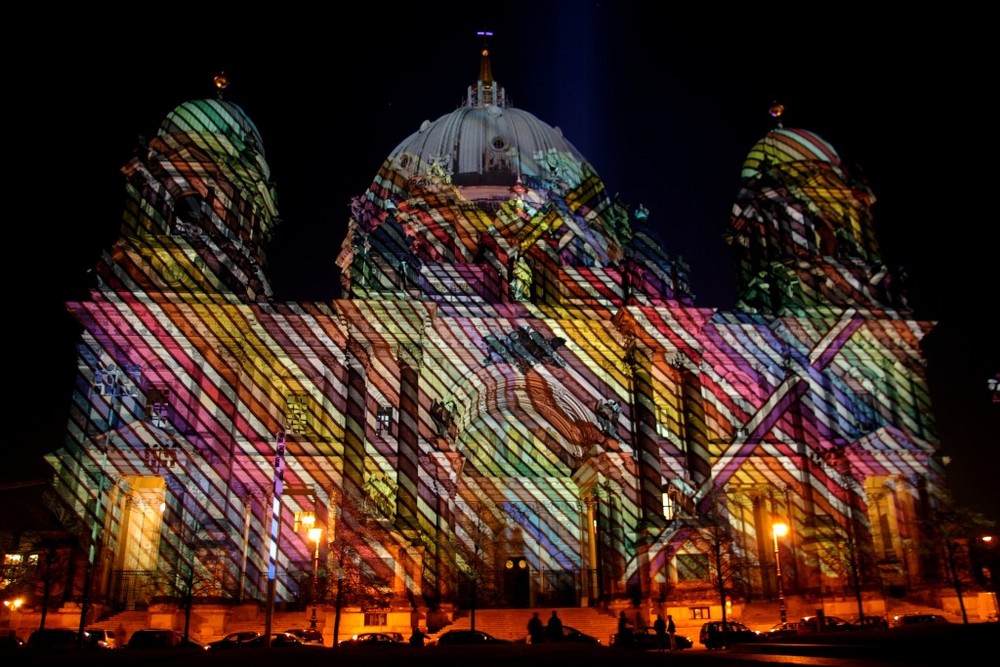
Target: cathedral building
515 402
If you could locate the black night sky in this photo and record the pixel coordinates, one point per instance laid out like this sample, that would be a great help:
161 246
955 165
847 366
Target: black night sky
665 104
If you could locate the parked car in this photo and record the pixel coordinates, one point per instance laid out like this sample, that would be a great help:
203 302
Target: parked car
374 639
870 623
162 638
901 620
647 640
279 640
468 638
569 634
232 640
308 635
100 638
719 634
9 641
53 639
809 624
781 631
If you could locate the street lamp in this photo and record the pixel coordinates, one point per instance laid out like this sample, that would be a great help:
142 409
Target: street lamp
779 529
315 534
12 606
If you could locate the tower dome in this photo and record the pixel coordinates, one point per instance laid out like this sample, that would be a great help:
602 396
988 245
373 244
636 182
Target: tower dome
802 229
205 205
219 127
782 145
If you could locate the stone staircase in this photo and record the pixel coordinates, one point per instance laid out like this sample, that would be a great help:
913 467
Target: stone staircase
513 623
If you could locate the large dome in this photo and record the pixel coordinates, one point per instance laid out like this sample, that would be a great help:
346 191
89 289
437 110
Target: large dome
485 144
490 205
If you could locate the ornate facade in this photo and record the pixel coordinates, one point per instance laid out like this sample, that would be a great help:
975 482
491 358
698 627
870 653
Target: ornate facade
515 402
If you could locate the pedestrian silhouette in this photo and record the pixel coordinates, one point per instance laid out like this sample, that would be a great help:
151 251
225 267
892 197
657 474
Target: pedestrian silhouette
554 627
671 630
624 625
536 630
660 626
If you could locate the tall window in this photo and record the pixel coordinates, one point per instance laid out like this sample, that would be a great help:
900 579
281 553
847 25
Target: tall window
384 420
296 413
158 407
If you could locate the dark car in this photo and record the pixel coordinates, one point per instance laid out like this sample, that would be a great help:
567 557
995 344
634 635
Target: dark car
870 623
279 640
53 639
469 638
148 638
308 635
569 634
809 624
781 631
901 620
647 640
232 640
9 641
719 634
374 639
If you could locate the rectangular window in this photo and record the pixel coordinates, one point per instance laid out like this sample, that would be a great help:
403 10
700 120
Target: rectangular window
376 618
668 506
700 613
661 422
663 428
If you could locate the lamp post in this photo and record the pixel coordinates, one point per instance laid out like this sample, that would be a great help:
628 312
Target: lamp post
315 534
989 541
779 529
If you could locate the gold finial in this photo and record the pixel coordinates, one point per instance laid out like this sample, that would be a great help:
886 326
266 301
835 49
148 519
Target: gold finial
221 82
776 111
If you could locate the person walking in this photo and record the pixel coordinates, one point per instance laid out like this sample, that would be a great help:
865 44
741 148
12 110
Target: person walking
660 627
672 630
554 628
536 630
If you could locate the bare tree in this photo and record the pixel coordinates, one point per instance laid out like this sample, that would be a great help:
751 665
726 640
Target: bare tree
361 575
473 549
950 530
717 537
195 566
846 550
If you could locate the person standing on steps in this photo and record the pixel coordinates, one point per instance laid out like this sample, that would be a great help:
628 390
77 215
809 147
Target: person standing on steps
536 631
672 630
624 625
660 626
554 628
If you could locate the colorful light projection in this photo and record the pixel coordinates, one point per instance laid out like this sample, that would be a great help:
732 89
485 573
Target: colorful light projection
516 372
